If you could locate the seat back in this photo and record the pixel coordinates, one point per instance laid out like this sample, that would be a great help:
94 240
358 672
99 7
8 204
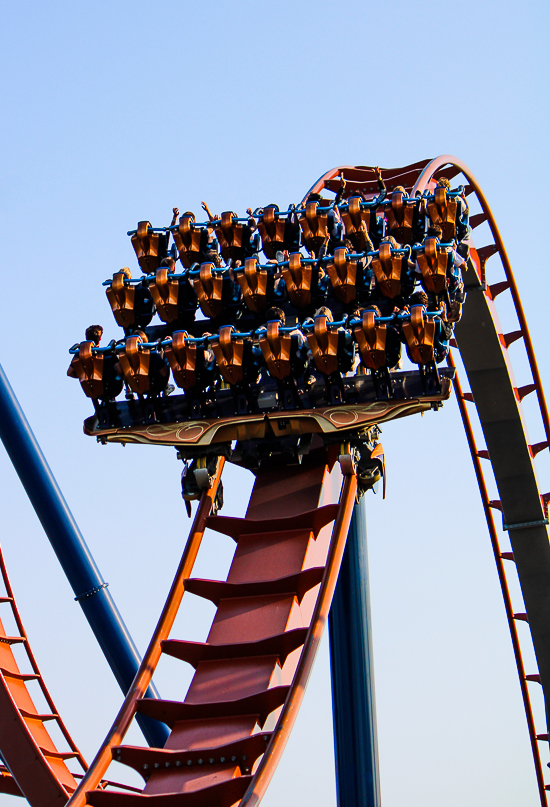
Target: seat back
164 292
228 353
209 287
182 358
135 365
188 241
272 232
324 346
387 270
433 265
399 216
442 210
230 236
297 277
89 370
342 274
419 334
314 227
149 247
357 221
121 298
253 283
371 340
276 347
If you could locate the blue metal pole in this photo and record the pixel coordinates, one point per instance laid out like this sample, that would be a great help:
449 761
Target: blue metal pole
353 699
72 552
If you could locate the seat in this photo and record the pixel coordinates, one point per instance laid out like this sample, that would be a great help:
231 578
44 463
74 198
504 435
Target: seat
314 227
150 248
209 287
254 285
419 334
182 358
229 355
276 350
297 277
371 340
122 298
232 236
442 210
135 365
324 346
342 273
189 240
400 216
387 270
357 221
272 231
164 292
433 265
89 370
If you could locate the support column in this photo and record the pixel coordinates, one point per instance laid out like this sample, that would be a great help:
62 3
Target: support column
352 673
71 549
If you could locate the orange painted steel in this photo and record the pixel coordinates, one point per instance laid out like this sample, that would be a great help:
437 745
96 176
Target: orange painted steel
151 658
503 581
24 739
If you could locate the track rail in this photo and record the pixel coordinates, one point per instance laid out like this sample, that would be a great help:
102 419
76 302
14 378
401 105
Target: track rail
484 351
230 731
35 766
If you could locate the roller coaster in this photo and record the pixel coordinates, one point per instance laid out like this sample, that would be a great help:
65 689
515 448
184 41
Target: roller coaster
287 368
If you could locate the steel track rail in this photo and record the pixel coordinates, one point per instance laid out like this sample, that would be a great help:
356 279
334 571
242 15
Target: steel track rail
152 657
484 351
35 765
499 557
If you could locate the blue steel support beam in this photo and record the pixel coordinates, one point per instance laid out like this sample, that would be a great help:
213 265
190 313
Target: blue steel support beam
353 700
72 552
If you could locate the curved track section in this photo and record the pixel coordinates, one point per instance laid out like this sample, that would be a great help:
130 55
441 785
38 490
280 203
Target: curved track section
250 675
484 350
35 768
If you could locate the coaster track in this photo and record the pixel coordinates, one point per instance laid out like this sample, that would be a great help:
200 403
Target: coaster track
224 746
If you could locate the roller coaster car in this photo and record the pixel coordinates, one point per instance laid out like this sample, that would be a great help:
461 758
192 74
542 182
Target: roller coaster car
388 270
433 263
442 210
131 304
298 280
402 216
271 424
150 248
191 242
342 272
357 221
256 285
314 227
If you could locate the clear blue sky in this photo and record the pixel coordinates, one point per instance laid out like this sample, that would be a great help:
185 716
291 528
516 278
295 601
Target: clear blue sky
116 112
